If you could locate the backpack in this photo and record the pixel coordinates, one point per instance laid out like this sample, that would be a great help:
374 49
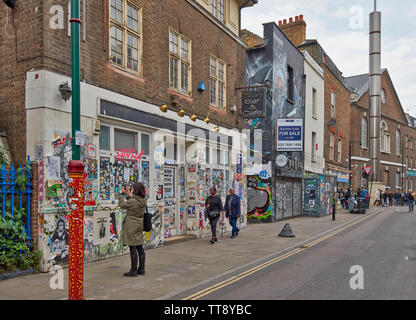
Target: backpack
147 221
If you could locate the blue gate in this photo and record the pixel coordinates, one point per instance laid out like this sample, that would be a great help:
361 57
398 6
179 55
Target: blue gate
10 191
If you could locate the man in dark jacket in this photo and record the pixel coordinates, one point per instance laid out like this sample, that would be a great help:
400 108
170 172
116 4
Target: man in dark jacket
233 211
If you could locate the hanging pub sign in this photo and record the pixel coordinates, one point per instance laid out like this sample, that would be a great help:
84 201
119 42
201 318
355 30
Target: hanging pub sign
253 104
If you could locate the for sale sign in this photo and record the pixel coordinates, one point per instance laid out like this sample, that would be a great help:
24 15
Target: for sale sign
289 135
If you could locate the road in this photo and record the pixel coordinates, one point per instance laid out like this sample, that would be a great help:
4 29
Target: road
382 244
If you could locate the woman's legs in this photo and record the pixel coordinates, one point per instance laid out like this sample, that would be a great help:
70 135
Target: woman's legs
214 229
142 259
133 259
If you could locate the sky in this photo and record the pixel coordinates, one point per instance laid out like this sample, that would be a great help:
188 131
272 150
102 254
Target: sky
341 27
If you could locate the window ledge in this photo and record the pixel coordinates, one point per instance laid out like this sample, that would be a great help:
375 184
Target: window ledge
214 108
180 95
125 72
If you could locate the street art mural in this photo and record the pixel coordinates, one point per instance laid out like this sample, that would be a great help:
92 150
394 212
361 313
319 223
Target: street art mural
259 198
318 194
268 69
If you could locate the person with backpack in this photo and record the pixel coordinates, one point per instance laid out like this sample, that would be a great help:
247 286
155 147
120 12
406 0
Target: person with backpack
213 210
132 230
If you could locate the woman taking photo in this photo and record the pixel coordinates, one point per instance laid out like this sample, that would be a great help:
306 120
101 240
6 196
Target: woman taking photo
213 207
132 231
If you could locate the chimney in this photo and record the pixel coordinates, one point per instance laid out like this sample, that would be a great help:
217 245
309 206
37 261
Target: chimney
295 30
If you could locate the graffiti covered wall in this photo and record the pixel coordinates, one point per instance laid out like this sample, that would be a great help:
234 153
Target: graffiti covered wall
270 68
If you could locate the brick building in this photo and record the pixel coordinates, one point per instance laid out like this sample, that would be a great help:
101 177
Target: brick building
397 136
146 66
336 101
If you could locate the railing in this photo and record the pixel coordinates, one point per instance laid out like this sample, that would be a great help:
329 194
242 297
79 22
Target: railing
10 191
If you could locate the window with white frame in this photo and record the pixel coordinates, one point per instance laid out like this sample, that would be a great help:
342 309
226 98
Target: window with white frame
387 143
364 131
407 141
313 147
383 128
125 35
179 63
125 141
332 104
397 179
217 82
339 149
104 139
331 146
398 142
218 9
314 102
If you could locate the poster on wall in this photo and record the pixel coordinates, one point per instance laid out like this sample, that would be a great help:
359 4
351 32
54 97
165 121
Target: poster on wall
92 151
59 242
159 192
101 230
191 193
53 168
289 135
145 174
92 169
105 178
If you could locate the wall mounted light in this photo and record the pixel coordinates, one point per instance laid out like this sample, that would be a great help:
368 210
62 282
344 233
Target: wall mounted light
163 108
217 128
65 91
201 86
207 120
193 117
181 112
233 108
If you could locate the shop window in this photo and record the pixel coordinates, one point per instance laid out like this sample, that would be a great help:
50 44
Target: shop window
104 138
207 155
125 141
145 144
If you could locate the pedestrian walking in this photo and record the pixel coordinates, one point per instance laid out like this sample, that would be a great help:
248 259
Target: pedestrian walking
403 198
347 197
213 207
377 198
341 197
233 211
410 200
397 198
132 229
385 197
390 196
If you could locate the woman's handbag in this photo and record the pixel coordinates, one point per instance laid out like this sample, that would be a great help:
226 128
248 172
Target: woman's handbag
147 221
214 214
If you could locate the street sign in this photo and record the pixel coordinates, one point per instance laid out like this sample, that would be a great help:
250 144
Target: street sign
253 104
367 170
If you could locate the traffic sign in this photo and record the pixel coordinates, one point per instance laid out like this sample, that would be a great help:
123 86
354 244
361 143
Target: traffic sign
367 170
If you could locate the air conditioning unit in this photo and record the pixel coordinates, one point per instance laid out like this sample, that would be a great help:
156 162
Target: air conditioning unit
96 127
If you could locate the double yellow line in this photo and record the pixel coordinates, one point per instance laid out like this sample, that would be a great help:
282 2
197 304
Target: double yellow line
266 264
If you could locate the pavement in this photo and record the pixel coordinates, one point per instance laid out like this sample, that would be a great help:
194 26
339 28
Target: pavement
179 267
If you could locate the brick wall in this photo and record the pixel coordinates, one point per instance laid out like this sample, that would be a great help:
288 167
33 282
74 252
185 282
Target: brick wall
153 85
294 29
21 46
394 118
40 47
342 118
